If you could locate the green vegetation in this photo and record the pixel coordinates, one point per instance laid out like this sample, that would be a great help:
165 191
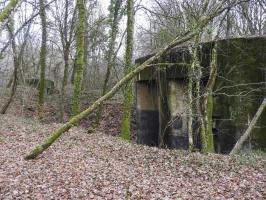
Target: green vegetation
128 93
80 58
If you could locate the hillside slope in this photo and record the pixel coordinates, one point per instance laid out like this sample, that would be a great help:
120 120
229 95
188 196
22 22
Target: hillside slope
97 166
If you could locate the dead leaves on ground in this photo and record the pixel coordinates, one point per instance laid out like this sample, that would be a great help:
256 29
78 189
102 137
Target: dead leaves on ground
97 166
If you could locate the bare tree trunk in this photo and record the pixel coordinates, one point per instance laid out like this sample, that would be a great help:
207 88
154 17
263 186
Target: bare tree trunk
64 83
245 136
16 66
66 39
17 57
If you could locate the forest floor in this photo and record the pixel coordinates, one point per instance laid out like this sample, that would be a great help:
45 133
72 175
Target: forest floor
97 166
25 105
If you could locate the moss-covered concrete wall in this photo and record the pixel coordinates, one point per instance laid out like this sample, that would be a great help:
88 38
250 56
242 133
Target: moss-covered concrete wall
239 89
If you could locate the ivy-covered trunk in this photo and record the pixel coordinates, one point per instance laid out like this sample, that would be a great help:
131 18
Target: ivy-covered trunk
207 104
198 97
80 58
190 106
203 99
42 57
128 92
115 6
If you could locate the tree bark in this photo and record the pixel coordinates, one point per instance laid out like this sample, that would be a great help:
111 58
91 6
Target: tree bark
17 57
114 16
64 83
80 58
128 93
42 58
207 103
247 133
66 38
10 28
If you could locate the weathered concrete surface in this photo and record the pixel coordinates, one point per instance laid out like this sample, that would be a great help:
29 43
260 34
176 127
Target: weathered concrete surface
239 89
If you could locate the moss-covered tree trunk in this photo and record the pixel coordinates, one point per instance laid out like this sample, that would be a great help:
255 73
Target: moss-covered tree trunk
115 6
204 99
80 58
128 92
198 97
203 112
5 13
177 41
42 57
207 104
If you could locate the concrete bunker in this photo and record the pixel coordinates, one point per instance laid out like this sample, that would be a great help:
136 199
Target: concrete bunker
161 95
35 82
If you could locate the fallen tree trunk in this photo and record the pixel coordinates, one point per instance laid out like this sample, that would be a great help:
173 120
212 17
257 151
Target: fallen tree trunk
73 121
245 136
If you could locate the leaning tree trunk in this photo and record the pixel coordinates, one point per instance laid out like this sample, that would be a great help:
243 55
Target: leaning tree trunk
245 136
128 93
42 58
73 121
80 58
